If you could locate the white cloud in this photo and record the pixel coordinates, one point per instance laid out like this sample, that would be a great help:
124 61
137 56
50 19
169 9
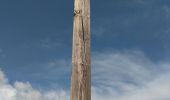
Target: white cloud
60 68
128 75
24 91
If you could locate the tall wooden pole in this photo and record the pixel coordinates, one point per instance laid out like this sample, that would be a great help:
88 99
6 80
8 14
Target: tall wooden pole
81 70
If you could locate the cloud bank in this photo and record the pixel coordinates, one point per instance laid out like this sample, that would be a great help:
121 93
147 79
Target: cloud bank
24 91
128 75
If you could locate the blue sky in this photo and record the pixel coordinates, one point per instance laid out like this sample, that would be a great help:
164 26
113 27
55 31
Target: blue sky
130 45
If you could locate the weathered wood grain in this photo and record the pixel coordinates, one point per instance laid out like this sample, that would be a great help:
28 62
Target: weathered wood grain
81 70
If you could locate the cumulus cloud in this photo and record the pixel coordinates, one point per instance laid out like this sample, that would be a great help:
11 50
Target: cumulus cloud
128 75
24 91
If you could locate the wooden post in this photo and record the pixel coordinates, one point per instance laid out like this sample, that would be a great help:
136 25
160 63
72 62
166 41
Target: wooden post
81 70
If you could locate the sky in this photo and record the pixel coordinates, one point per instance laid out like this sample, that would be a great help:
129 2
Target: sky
130 44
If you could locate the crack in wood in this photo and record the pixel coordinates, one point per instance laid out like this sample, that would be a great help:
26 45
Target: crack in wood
81 80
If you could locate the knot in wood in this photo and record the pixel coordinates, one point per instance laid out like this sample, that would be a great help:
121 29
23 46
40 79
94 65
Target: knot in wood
77 12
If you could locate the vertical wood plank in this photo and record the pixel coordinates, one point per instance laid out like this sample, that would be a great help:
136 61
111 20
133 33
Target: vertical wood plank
81 70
